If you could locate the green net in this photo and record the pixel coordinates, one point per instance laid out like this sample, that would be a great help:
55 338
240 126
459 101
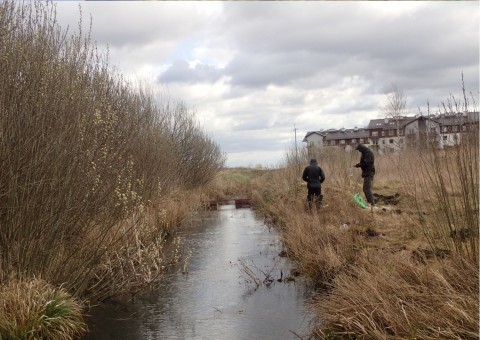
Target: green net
360 201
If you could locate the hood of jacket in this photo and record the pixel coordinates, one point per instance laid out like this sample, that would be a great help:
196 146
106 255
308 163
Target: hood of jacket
361 147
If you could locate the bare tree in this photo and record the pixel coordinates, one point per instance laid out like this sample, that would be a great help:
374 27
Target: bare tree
395 106
396 103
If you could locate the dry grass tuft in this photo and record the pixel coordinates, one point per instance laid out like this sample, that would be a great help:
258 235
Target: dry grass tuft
35 309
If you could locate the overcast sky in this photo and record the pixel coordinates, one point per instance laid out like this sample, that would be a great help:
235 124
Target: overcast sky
253 71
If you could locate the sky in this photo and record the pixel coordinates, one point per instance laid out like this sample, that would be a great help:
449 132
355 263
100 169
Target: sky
260 74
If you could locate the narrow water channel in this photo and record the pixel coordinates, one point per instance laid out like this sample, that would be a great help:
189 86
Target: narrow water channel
217 298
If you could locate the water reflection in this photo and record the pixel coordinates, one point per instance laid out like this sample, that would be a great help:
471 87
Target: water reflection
215 300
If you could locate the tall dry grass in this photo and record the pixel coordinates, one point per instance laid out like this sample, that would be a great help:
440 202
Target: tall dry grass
338 164
315 239
392 297
409 271
90 163
445 189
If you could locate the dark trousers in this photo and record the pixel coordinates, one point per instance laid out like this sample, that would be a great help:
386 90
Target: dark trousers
314 195
367 189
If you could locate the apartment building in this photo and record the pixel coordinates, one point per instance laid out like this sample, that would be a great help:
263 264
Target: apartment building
394 134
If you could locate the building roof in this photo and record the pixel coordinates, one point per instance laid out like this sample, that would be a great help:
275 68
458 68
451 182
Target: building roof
309 133
455 119
389 123
443 119
335 134
346 134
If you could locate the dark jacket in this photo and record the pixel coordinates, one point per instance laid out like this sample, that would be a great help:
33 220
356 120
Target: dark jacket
367 161
313 175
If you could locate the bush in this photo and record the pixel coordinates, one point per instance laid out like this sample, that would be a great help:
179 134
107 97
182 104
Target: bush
85 155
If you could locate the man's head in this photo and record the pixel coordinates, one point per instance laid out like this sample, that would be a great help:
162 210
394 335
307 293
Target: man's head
360 147
313 161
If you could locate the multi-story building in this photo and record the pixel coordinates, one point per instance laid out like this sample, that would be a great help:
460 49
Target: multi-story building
452 126
394 134
344 138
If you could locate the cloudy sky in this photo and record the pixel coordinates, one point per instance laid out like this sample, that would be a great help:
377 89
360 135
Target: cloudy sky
255 71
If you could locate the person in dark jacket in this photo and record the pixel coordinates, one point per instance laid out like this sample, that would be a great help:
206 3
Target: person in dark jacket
367 164
314 177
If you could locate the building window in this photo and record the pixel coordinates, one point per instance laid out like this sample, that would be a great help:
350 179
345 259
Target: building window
361 141
391 132
464 128
353 140
342 141
454 128
391 141
445 138
445 129
383 141
374 133
383 133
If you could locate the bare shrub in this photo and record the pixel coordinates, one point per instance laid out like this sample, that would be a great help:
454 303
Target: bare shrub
85 157
195 156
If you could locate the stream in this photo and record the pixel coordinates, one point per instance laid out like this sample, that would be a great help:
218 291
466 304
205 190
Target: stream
234 288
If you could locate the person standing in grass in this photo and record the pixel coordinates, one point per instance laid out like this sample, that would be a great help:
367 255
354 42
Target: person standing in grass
367 164
314 177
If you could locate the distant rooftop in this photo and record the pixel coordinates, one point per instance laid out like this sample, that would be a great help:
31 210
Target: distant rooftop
390 123
346 134
455 119
333 134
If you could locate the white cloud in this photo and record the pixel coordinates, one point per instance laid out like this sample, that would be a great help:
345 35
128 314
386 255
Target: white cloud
251 70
